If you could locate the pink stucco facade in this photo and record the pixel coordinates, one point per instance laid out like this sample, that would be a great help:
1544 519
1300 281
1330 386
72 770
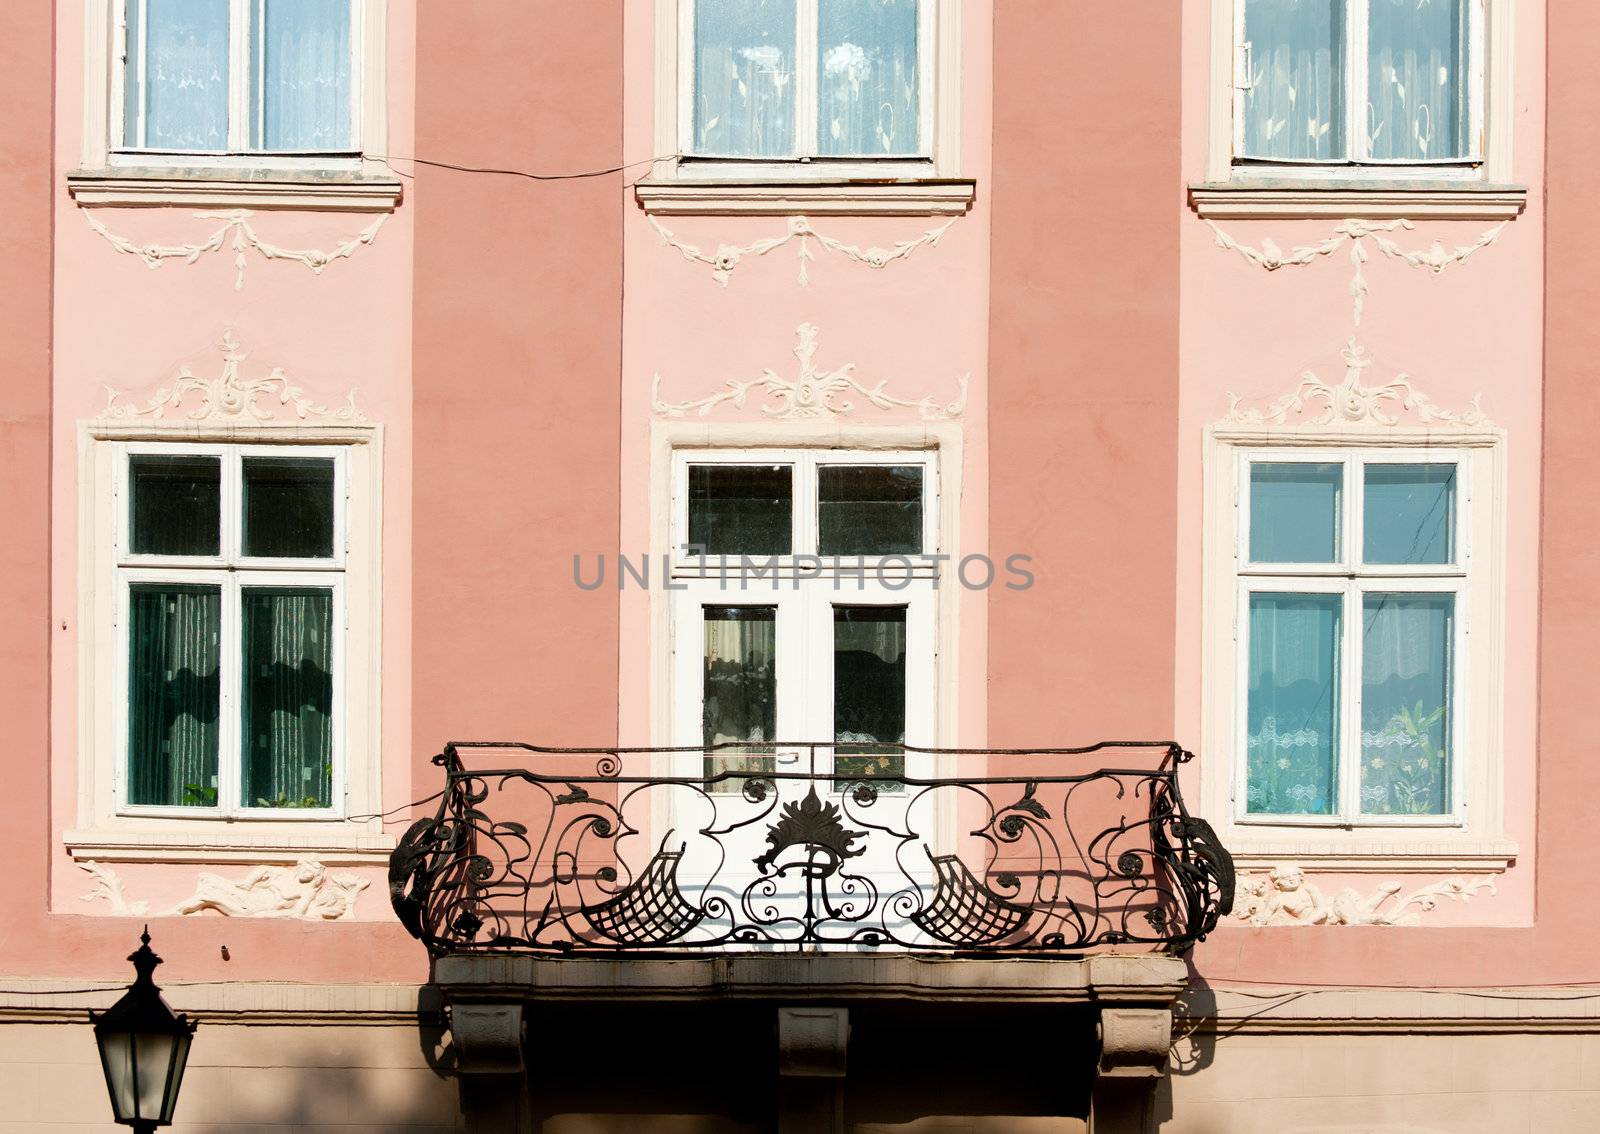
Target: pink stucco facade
1087 339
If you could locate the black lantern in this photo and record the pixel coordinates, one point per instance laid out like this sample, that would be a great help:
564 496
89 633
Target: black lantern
143 1048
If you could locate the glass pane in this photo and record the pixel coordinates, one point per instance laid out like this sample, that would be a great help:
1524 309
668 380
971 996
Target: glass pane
1295 513
744 77
287 697
1417 80
1293 106
178 73
288 507
300 75
741 509
739 694
175 505
868 100
1406 710
869 509
869 691
1409 512
1293 710
174 644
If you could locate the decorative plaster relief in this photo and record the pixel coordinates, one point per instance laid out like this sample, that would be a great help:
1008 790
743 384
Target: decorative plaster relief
305 890
228 397
245 238
1283 896
813 393
728 256
1352 403
1435 258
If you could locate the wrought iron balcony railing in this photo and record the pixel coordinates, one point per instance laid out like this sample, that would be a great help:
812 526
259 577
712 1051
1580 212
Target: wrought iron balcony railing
810 847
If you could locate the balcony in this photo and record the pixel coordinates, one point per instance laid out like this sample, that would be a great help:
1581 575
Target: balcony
856 891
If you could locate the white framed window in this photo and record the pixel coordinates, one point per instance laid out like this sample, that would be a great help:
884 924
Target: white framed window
1354 628
230 673
1362 89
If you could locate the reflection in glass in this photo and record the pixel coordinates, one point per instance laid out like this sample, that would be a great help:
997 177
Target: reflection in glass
1406 711
869 509
288 507
739 692
741 509
177 74
1295 512
1292 732
744 78
175 504
174 648
868 94
1409 513
300 76
1293 97
287 697
1417 74
869 692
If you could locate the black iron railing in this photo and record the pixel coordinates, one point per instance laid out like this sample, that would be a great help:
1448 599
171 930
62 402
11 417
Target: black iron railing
810 847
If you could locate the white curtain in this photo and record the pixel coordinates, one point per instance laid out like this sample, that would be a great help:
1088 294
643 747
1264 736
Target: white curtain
300 67
1417 80
1293 708
867 80
1406 682
177 75
744 78
1293 108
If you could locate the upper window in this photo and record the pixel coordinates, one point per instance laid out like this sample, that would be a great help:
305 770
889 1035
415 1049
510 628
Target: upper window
1359 83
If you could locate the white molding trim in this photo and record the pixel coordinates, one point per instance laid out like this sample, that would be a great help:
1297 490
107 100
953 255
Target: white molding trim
1284 896
302 891
911 198
1387 854
1247 200
179 844
94 188
727 257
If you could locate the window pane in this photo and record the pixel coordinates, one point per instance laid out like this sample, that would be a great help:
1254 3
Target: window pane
1293 107
741 509
178 73
288 507
1295 513
869 691
1417 80
1406 710
1409 513
174 505
174 644
1293 710
868 100
300 75
744 77
287 697
869 509
739 694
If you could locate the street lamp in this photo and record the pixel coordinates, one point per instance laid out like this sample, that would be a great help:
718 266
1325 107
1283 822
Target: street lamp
143 1048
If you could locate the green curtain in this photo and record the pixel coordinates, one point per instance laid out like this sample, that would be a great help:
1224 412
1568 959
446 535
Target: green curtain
287 694
174 640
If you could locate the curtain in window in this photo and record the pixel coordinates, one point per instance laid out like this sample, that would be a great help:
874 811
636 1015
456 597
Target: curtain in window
1293 710
1417 80
867 81
287 695
174 646
744 78
183 45
300 75
869 689
1293 107
1405 703
739 694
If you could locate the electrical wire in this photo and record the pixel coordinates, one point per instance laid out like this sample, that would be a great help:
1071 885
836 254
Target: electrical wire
523 173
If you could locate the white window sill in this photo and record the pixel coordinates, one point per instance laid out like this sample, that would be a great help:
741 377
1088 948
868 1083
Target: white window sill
228 843
1370 853
915 197
234 188
1291 198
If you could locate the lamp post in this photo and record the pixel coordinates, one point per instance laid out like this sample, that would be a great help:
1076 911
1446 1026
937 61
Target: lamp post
143 1046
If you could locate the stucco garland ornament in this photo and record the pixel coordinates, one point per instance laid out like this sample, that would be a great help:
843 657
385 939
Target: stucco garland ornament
1436 258
727 257
1352 403
812 393
1284 896
245 239
305 891
230 397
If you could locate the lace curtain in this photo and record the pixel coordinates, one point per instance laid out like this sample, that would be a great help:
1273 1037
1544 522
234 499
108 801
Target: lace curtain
1416 73
300 72
867 81
1294 107
184 87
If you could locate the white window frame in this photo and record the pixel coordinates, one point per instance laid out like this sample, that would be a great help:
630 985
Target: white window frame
105 23
1472 835
1491 94
939 61
111 829
1351 578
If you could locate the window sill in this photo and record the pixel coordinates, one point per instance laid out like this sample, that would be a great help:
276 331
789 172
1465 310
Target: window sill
224 188
923 197
226 843
1406 854
1282 198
